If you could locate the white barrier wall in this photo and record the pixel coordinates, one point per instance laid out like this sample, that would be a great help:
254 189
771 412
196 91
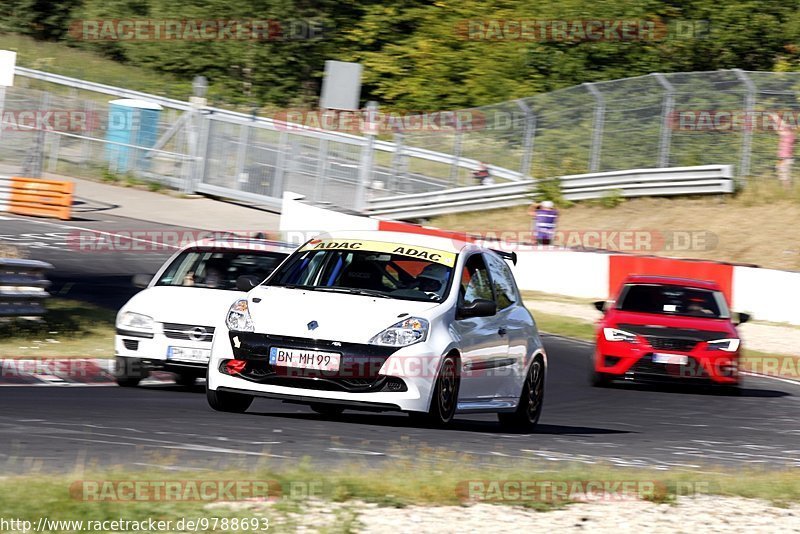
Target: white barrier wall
563 272
300 221
768 294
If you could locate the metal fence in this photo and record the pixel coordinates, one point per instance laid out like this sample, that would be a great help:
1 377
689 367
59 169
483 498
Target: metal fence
659 120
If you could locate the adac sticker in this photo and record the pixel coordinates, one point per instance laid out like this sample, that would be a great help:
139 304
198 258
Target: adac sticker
423 253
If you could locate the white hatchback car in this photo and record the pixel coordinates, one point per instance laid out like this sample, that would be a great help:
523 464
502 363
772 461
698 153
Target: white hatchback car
169 325
384 321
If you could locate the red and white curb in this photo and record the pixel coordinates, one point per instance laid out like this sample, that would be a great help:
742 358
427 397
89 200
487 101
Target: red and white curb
67 372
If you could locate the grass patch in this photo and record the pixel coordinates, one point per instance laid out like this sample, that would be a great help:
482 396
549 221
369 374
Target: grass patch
432 479
70 328
564 326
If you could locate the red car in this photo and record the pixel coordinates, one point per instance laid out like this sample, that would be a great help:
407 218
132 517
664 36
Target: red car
662 328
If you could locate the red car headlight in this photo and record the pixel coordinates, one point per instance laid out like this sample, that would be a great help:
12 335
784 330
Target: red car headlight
727 345
614 334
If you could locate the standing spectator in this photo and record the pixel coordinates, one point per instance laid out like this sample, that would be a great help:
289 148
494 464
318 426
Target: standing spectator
544 219
482 174
785 151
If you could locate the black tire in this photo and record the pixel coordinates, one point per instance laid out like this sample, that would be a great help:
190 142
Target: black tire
327 410
128 382
128 372
444 400
599 380
529 407
186 380
223 401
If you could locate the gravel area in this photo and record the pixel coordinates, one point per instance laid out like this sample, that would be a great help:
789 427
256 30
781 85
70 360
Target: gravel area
756 336
689 514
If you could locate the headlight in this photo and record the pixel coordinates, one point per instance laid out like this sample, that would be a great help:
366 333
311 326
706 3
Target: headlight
406 332
238 318
136 322
728 345
613 334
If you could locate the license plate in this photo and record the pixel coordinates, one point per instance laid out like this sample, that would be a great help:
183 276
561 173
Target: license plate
304 359
670 359
186 354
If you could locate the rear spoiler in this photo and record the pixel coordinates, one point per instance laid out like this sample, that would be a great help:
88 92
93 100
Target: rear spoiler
511 256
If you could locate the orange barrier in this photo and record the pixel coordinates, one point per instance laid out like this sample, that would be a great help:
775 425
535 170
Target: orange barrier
37 197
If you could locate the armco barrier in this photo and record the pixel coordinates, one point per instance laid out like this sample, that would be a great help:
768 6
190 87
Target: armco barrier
38 197
23 287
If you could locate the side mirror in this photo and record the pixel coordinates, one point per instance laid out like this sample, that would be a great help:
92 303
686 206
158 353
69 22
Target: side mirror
478 308
743 317
141 280
600 305
246 282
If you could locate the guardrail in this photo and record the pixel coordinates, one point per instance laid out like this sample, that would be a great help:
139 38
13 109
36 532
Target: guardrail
23 287
705 179
38 197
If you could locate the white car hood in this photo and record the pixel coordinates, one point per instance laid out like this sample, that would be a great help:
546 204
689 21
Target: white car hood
185 305
340 316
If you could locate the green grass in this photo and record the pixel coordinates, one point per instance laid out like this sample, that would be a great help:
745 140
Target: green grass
59 58
431 478
69 329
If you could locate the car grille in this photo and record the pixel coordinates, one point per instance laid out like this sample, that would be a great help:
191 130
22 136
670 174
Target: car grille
130 344
263 373
646 366
672 343
189 332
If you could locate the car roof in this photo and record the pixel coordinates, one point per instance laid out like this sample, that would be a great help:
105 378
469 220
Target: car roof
671 280
243 243
447 244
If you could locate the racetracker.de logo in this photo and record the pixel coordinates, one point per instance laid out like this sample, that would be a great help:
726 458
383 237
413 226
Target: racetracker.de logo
134 240
378 122
197 29
733 120
174 490
50 120
578 30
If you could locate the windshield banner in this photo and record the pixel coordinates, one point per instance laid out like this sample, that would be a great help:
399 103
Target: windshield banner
423 253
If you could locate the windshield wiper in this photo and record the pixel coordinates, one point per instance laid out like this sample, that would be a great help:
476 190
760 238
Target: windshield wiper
354 291
295 286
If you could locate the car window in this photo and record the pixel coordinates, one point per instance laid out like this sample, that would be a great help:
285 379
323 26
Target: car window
503 281
475 282
216 269
668 299
393 270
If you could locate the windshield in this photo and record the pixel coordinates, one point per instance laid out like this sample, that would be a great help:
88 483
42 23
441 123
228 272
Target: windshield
370 268
215 269
673 300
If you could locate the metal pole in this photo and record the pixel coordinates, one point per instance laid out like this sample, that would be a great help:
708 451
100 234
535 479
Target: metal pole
597 127
241 155
322 165
456 156
397 161
528 138
668 106
280 163
367 150
747 138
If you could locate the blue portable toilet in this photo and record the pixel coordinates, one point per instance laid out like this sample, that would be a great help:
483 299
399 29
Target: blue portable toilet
132 122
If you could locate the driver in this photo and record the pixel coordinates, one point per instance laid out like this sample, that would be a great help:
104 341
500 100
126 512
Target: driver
433 279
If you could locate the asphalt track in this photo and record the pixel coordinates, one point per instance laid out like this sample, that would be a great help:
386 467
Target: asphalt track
61 427
57 428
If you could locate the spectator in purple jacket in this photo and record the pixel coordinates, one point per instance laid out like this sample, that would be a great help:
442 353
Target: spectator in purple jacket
545 218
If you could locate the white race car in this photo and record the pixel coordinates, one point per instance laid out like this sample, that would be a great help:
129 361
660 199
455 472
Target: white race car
169 325
384 321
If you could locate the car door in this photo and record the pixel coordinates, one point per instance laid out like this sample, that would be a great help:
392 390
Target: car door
483 339
515 319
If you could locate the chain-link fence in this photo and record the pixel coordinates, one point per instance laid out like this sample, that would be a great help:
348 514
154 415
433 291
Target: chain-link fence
660 120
